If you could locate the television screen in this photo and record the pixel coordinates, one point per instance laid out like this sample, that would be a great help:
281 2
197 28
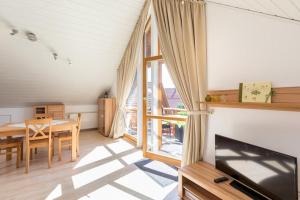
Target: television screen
268 172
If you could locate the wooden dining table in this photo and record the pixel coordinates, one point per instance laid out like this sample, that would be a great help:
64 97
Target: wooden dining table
19 129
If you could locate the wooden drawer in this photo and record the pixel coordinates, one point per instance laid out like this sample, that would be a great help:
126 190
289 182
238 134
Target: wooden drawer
56 115
55 108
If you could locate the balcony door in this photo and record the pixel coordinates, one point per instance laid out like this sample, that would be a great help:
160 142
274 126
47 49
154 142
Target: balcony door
164 113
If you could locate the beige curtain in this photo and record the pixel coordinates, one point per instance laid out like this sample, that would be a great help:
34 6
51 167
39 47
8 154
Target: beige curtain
182 32
126 72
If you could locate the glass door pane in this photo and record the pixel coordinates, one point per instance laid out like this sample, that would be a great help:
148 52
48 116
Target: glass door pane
165 112
165 137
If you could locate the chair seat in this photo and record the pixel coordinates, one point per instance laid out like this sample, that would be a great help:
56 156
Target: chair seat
19 139
58 133
19 136
6 143
9 140
39 143
65 135
46 140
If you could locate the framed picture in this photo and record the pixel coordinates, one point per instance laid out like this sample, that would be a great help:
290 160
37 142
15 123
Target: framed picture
257 92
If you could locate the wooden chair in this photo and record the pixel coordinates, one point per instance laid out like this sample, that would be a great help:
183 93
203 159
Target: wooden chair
10 144
67 139
36 137
41 116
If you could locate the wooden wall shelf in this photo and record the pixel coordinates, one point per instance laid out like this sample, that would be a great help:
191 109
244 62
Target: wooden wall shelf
263 106
284 99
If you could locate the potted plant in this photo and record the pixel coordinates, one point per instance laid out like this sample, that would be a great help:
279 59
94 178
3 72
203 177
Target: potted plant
179 127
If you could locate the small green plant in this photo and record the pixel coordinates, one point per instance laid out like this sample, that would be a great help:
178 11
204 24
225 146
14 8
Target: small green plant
181 106
182 113
271 94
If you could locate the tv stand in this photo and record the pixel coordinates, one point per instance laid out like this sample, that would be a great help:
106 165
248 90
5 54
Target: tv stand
251 193
196 181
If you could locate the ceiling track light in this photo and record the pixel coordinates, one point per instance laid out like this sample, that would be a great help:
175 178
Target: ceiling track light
14 31
54 55
31 36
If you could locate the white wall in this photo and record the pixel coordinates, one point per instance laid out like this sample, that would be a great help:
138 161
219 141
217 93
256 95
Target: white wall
113 89
15 114
245 47
89 114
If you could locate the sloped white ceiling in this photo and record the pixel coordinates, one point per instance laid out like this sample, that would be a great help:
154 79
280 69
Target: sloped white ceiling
284 8
92 34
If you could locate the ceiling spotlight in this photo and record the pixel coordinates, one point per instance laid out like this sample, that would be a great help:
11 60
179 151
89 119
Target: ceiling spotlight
55 56
14 31
31 36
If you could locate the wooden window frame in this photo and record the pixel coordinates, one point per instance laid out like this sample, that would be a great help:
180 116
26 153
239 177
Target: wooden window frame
148 154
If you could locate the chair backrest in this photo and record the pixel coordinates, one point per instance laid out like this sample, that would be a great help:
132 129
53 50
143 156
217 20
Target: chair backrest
76 117
78 123
35 129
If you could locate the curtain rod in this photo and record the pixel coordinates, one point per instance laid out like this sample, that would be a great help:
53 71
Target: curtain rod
253 11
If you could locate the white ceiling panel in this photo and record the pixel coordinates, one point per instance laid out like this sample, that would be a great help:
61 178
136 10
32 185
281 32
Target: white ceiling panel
92 34
284 8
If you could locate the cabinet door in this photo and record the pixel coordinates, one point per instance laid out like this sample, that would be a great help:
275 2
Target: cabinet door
101 124
101 104
56 111
109 114
39 112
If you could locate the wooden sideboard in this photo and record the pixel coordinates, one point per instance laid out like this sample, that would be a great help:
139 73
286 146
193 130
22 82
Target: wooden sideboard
196 181
55 110
107 107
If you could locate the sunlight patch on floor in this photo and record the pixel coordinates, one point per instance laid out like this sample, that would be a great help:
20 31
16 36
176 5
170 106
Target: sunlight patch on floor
133 157
142 183
97 154
120 146
57 192
108 192
95 173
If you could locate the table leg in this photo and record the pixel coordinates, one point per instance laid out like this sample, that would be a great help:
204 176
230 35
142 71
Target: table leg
8 151
180 184
74 142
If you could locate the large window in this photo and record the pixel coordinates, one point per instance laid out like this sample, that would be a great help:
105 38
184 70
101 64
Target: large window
164 113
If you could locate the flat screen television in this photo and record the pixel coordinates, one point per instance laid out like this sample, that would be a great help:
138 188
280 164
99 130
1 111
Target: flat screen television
267 172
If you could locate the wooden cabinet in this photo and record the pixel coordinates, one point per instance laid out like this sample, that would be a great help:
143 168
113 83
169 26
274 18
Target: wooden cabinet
56 111
106 113
196 182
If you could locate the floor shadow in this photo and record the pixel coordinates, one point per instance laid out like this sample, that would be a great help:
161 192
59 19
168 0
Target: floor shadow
161 178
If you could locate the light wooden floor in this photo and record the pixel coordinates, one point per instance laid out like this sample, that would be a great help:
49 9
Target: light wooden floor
105 170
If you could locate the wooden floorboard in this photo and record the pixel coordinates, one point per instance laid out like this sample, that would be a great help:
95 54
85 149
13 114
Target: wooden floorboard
102 170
